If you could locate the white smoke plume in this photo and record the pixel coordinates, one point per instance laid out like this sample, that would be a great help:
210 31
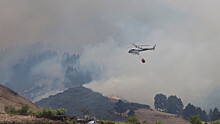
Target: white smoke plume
185 62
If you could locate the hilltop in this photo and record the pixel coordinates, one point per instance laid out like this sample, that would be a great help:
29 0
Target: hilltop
79 98
9 97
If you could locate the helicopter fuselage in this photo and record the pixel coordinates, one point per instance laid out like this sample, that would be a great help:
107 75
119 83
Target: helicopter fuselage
137 50
134 51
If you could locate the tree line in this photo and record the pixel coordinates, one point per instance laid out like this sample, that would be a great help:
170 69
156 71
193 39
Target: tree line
174 105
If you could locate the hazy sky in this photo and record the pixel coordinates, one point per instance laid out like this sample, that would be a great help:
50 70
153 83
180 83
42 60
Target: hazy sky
185 62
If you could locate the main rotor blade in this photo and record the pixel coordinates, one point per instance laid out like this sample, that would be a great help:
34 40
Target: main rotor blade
140 45
143 45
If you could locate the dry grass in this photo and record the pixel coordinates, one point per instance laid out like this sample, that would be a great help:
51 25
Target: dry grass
151 116
19 119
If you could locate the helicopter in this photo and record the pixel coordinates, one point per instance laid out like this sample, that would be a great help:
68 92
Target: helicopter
138 49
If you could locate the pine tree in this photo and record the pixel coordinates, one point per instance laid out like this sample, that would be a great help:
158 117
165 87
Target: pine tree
174 105
120 107
160 101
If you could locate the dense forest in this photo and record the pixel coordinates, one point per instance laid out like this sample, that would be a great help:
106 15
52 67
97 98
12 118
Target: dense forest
43 74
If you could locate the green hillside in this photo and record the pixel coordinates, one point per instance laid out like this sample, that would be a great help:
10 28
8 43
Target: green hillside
79 98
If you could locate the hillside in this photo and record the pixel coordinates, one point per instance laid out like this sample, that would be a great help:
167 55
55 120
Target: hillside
20 119
151 116
79 98
9 97
75 100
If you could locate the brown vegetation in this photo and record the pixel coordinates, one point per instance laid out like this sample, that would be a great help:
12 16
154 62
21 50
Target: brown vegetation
19 119
152 116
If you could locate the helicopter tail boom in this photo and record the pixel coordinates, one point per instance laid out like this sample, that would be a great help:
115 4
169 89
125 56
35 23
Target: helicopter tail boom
154 47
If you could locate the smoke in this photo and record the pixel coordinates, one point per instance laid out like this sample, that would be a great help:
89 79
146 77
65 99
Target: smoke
52 78
185 62
10 56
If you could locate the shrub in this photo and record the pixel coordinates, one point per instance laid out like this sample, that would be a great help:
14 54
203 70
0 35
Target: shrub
215 122
133 119
23 110
106 122
158 122
195 119
50 113
71 122
45 113
61 111
10 109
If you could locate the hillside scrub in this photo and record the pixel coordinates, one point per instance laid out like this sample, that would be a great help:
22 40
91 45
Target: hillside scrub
24 110
10 109
50 113
106 122
61 111
133 119
195 119
215 122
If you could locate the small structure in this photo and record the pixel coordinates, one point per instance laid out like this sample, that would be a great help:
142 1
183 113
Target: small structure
92 121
